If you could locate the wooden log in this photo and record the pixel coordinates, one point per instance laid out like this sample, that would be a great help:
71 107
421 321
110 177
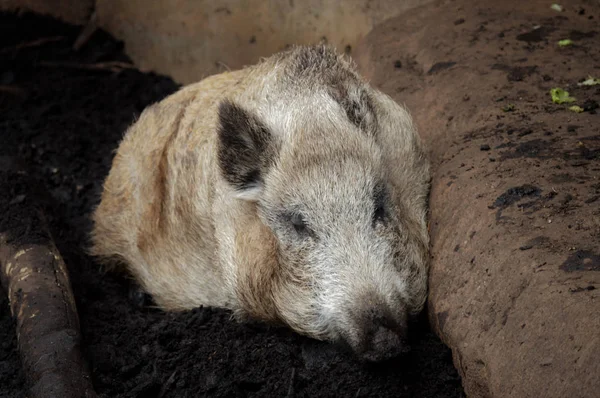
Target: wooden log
35 277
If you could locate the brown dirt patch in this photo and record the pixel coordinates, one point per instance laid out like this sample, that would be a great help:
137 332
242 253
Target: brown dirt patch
515 221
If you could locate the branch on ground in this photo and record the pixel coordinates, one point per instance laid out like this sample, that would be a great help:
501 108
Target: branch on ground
36 280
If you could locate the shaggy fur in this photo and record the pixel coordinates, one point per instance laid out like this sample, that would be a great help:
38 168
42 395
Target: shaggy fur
289 191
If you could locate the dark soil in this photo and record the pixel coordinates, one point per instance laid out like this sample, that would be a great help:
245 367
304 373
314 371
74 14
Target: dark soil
65 121
12 379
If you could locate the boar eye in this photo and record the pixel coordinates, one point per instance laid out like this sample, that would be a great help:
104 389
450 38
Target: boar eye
299 223
379 211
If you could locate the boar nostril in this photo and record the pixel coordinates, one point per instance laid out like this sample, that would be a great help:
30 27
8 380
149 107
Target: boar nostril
383 321
383 343
382 335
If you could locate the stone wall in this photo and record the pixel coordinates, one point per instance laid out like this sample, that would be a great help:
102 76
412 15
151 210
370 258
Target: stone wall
190 39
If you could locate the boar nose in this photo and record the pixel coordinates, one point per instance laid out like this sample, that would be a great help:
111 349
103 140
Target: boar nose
383 336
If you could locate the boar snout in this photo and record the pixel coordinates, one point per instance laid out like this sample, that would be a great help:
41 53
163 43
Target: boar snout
380 332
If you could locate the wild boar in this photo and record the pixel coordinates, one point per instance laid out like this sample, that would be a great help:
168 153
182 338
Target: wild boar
290 191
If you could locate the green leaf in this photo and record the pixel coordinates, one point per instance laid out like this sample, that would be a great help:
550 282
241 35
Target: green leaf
576 109
590 81
565 42
560 96
556 7
508 108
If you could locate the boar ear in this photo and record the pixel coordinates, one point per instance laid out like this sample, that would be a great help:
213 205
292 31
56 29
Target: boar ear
244 149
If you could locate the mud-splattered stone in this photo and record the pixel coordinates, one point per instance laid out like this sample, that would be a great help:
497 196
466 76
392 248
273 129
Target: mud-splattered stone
514 281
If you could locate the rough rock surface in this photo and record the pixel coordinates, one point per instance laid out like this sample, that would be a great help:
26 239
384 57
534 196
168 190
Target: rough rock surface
190 39
515 204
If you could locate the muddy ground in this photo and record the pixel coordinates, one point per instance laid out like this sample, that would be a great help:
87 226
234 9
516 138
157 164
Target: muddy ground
65 119
515 201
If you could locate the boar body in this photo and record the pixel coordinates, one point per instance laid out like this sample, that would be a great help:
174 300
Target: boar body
289 191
